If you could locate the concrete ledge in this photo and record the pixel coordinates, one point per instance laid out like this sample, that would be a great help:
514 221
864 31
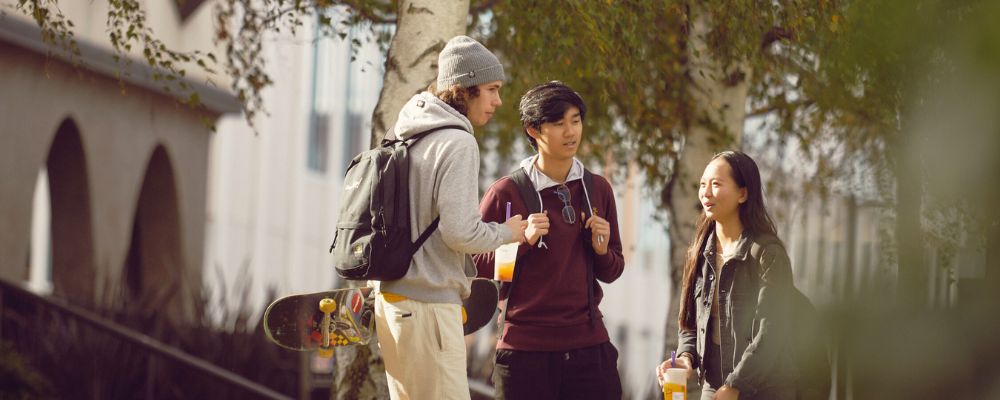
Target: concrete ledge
24 33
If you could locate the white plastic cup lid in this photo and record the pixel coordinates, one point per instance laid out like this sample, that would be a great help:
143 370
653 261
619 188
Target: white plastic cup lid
677 376
507 252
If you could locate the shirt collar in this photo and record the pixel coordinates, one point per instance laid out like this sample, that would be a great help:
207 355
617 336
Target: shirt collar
542 181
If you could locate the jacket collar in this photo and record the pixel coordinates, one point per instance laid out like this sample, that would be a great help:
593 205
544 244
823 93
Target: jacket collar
742 248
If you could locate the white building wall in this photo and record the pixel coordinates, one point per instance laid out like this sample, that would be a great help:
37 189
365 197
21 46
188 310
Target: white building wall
271 218
126 114
634 306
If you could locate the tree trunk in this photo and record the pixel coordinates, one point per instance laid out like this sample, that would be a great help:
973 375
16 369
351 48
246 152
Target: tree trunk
422 29
720 95
993 256
912 274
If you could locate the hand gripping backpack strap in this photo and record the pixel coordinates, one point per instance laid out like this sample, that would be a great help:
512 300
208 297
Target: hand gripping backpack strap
530 198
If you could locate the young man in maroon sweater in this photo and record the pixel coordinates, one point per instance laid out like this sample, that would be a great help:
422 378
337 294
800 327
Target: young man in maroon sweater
553 344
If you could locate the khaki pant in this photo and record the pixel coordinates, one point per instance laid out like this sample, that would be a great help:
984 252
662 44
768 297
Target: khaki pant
423 349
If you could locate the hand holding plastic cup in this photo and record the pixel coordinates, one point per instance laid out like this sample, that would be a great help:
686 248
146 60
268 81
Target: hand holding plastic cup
504 258
675 383
675 387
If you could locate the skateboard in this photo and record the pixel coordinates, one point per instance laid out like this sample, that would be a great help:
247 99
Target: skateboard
322 321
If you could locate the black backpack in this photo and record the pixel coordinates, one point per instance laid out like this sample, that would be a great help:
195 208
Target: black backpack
809 338
372 241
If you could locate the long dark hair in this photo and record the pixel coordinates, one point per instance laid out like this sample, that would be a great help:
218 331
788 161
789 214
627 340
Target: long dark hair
753 215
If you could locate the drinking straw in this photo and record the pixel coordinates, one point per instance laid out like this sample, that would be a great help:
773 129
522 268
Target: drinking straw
508 211
673 358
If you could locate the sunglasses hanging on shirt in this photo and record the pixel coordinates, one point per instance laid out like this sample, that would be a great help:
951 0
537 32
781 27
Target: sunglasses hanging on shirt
568 212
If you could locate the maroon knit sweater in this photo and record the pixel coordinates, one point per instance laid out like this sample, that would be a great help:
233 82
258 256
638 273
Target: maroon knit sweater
548 308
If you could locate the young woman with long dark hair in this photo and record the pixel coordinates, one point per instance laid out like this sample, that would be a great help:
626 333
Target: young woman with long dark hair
734 315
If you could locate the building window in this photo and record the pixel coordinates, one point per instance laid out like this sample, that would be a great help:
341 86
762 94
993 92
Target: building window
352 137
318 141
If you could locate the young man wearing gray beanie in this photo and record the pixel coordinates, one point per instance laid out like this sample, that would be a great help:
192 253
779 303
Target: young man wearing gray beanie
419 317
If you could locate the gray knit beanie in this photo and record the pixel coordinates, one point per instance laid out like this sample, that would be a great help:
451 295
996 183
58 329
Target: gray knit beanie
466 62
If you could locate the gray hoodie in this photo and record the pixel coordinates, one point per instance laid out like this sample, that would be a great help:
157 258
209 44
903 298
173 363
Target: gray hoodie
444 176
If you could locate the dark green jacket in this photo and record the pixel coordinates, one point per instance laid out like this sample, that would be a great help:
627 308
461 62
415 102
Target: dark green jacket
754 319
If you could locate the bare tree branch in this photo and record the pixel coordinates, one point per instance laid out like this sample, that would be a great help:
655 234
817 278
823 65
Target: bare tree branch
775 34
775 107
369 12
481 7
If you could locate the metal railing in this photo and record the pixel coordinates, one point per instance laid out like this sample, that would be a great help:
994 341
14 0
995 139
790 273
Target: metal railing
145 342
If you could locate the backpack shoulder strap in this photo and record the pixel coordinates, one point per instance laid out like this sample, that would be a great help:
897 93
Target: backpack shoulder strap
530 198
588 187
757 250
386 142
409 142
426 234
759 243
527 189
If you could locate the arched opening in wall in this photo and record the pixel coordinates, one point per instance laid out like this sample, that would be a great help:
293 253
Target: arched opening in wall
39 267
64 253
154 268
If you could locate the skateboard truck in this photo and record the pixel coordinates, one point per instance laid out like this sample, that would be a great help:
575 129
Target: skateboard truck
327 306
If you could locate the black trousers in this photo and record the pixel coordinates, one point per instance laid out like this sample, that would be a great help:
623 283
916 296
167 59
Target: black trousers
587 373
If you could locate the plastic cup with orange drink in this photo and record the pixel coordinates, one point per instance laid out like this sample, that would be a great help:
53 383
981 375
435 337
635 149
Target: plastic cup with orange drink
675 385
503 262
504 259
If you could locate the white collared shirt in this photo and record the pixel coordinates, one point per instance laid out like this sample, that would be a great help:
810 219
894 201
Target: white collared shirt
542 181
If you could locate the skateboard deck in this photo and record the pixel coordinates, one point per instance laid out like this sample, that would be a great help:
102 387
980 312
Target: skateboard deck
296 322
322 321
481 305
